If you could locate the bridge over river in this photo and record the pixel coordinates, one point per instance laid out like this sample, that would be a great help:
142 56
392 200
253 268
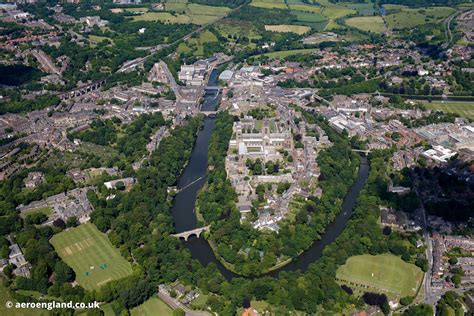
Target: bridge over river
193 232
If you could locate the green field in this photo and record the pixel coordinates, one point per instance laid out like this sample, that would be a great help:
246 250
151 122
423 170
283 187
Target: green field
269 4
154 306
367 23
408 18
186 13
47 210
464 109
284 28
364 9
140 9
383 273
91 255
286 53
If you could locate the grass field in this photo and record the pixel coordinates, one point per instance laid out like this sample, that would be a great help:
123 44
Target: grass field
269 4
154 306
286 53
140 9
464 109
383 273
305 8
408 18
367 23
91 255
364 9
185 13
284 28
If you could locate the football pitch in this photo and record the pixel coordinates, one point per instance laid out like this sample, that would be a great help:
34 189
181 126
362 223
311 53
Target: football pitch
383 273
91 255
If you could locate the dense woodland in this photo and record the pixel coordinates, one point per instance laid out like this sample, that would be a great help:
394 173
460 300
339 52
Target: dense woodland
130 140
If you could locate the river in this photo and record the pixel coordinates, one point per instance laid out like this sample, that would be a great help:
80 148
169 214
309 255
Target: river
185 218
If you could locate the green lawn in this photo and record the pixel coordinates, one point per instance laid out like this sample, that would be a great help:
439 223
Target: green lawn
464 109
47 210
154 306
367 23
382 273
91 255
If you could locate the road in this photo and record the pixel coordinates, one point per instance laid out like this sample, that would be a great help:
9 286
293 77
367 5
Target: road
133 63
447 31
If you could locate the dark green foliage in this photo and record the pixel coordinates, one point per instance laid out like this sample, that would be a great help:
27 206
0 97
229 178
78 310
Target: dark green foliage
16 75
35 218
419 310
100 133
17 104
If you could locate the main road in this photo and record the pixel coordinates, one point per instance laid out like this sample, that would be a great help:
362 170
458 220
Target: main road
135 62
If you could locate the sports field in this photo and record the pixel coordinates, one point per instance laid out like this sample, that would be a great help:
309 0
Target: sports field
91 255
284 28
367 23
464 109
154 306
382 273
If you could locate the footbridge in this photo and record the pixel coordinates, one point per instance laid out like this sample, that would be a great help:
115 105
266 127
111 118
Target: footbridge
209 113
189 184
366 151
194 232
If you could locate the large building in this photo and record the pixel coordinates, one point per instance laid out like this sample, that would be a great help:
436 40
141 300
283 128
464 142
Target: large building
261 139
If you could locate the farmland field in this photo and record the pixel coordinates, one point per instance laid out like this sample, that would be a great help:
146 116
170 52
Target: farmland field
154 306
365 9
382 273
185 13
367 23
284 28
91 255
407 18
286 53
269 4
465 109
305 8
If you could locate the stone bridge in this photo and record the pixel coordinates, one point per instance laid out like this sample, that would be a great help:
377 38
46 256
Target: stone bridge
366 152
209 113
196 232
82 90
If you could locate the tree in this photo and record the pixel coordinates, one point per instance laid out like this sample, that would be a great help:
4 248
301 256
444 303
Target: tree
72 221
419 310
406 300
